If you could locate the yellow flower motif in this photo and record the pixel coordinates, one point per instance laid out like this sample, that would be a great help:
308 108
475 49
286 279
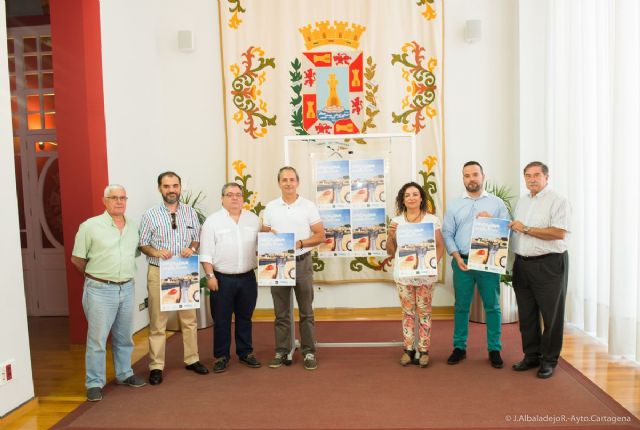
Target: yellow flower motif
234 21
247 206
429 13
431 112
408 128
263 106
407 46
262 77
235 70
433 62
405 102
257 51
262 132
405 74
237 117
429 162
239 167
372 261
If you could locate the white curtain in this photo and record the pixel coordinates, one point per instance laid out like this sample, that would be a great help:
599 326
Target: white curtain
593 141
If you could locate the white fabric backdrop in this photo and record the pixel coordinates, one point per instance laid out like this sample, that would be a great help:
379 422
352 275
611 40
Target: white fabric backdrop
593 142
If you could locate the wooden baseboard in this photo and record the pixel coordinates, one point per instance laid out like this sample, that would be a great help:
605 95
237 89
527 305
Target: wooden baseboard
18 412
357 314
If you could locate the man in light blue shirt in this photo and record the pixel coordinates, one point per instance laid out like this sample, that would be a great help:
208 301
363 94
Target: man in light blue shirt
456 231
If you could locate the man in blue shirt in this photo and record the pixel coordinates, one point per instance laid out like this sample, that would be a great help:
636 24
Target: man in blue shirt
456 231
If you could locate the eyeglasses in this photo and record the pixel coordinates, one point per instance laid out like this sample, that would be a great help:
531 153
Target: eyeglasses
232 195
117 198
173 221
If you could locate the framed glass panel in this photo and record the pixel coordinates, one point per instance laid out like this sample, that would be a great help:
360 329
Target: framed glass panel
34 121
32 82
14 104
30 63
10 46
47 80
12 64
12 83
50 120
15 123
33 103
29 45
46 62
49 102
45 43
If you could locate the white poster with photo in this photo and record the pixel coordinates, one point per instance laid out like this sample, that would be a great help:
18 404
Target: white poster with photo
417 250
179 283
489 247
337 228
367 183
369 232
276 259
332 183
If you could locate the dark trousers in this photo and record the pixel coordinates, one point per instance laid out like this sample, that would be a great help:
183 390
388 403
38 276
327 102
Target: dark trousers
237 294
282 307
540 285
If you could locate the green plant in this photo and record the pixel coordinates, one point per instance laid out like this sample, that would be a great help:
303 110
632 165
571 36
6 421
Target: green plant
194 200
505 194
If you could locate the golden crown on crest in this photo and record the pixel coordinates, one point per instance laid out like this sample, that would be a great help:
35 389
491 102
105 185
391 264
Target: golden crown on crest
336 34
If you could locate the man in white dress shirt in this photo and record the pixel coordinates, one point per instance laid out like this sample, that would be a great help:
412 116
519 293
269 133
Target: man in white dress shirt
540 271
228 242
292 213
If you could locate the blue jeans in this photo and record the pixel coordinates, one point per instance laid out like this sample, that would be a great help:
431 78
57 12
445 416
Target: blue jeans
108 308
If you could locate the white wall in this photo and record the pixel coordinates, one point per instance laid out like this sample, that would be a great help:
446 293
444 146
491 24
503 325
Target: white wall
164 110
14 337
163 107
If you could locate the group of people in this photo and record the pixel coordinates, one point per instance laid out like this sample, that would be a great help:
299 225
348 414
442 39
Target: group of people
539 228
107 245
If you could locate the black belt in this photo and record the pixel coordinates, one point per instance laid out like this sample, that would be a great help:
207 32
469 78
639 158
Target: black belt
302 256
154 265
535 257
233 275
106 281
464 256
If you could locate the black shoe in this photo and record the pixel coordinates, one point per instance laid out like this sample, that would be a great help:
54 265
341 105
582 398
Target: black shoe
457 355
545 371
197 367
250 360
220 365
495 359
525 364
155 377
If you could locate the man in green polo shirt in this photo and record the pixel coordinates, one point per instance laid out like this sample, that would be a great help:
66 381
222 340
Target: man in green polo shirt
105 250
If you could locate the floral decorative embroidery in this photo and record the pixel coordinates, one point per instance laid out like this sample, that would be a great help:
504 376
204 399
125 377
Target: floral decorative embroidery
421 91
358 263
429 182
296 100
236 8
371 89
246 92
249 197
429 12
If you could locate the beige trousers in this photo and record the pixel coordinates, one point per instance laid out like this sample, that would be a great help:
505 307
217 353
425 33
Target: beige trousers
158 325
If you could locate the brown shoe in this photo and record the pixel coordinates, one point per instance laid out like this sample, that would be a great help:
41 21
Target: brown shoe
424 359
407 357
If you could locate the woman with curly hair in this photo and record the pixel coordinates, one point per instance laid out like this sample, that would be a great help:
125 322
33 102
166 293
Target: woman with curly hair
415 292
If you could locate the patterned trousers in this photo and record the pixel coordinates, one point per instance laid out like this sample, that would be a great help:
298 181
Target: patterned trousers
416 299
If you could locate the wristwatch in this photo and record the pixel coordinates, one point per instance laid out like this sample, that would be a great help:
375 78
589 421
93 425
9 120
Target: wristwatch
525 229
209 275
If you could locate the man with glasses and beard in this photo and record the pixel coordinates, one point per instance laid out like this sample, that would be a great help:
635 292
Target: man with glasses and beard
456 231
166 230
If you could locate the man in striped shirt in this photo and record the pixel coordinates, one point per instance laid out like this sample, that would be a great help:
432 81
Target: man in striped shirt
169 229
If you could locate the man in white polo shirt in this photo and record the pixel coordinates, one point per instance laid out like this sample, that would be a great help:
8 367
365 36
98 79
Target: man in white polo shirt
292 213
228 241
